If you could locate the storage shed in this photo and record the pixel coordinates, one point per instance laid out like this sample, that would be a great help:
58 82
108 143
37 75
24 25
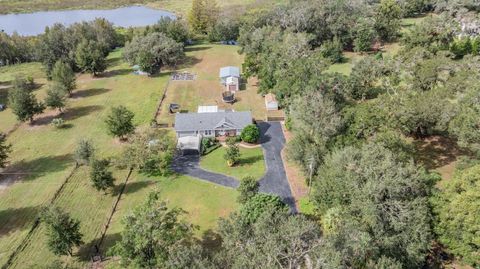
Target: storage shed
228 71
232 84
271 102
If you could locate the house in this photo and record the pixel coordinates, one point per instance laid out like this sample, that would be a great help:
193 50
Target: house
271 102
214 124
228 71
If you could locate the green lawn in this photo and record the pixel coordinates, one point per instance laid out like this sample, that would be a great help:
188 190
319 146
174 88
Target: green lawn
251 163
84 203
205 60
43 155
7 74
42 158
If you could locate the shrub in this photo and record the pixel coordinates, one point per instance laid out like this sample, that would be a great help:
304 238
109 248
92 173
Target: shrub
332 50
209 144
233 152
258 204
84 151
58 123
250 134
248 189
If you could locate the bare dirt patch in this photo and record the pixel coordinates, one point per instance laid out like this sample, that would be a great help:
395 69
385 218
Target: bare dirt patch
296 178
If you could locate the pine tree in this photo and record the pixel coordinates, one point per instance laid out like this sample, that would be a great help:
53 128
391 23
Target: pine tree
120 122
63 232
64 76
24 104
55 97
102 179
90 58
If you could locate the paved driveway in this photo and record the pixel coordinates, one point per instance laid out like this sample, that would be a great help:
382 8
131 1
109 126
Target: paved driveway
190 165
275 179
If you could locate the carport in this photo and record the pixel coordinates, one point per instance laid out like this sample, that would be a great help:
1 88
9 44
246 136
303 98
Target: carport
189 144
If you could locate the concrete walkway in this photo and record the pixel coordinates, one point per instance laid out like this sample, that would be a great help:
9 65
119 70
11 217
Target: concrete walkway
275 179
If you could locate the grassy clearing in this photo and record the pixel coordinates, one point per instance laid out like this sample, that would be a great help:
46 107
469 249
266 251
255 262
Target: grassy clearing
205 61
42 154
92 212
251 163
205 202
42 158
7 75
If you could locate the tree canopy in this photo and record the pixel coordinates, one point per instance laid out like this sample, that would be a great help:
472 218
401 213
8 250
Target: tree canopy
153 51
457 208
151 233
63 231
374 205
120 122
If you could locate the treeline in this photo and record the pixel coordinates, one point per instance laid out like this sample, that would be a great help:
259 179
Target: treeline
353 133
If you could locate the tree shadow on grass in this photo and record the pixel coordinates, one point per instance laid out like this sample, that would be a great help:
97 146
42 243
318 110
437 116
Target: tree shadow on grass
70 114
189 61
3 94
131 187
197 48
89 249
437 151
211 241
250 160
116 72
33 169
13 219
89 92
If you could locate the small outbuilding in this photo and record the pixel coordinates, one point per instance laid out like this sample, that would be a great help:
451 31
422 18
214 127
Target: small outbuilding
271 102
228 71
232 84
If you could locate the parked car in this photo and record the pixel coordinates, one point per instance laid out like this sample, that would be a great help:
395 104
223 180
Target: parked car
3 107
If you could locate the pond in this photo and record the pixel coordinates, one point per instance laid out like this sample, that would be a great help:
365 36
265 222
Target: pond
35 23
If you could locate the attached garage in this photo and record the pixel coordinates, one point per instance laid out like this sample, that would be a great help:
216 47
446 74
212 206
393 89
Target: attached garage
190 144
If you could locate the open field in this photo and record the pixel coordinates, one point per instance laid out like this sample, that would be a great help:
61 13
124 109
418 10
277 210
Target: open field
180 7
42 159
205 61
251 163
42 155
92 212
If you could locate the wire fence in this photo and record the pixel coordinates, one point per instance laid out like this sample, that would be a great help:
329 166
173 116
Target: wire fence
24 243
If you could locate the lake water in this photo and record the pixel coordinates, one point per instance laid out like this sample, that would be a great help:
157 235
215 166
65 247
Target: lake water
35 23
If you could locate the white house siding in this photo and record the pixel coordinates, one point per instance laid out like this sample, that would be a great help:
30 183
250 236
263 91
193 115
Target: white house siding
272 105
183 134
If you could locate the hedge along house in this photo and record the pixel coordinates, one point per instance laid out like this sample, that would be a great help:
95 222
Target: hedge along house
214 124
230 78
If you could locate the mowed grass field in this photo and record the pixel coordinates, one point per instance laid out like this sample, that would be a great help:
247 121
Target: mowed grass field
42 159
251 163
205 60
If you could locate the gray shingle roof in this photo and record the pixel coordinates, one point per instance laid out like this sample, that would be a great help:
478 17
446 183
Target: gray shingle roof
185 122
229 71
